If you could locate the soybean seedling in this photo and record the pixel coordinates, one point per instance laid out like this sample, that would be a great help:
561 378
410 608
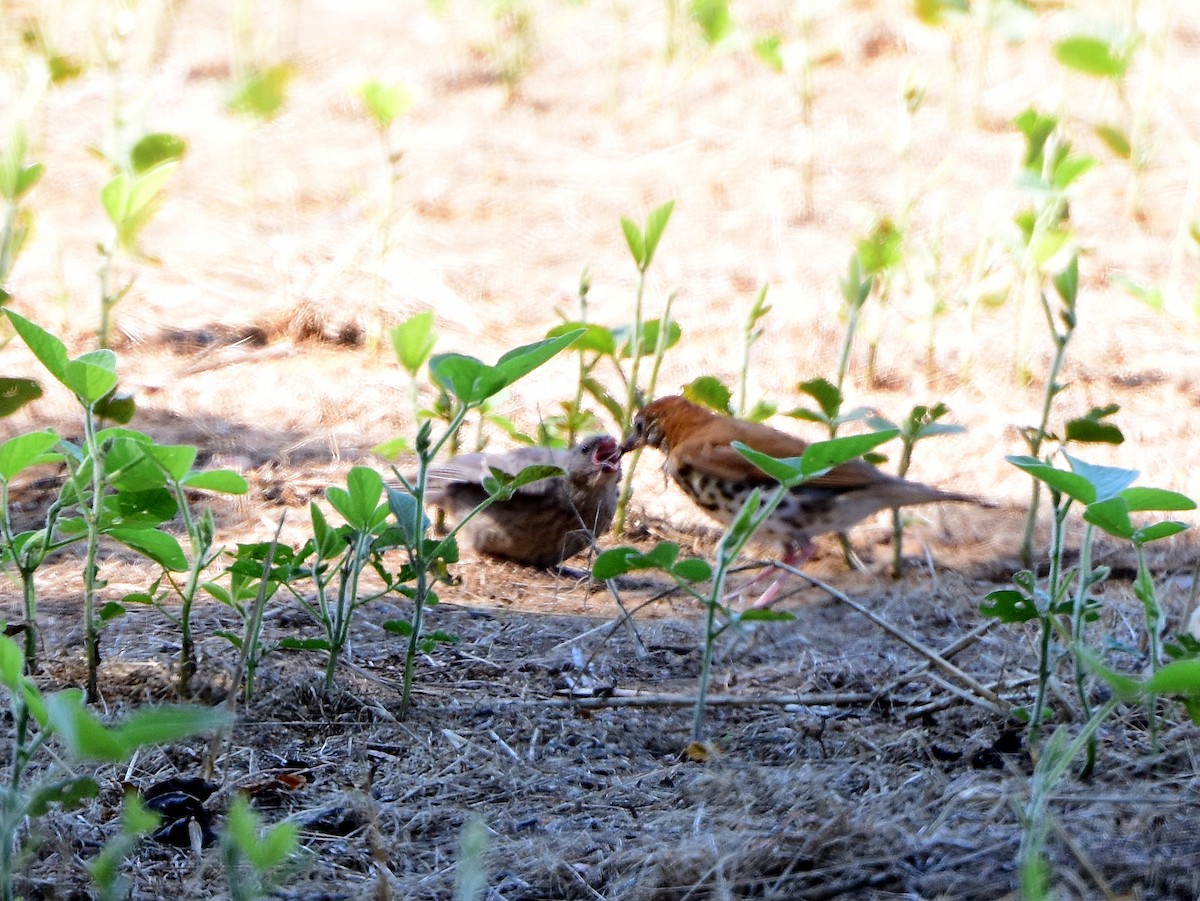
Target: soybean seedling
920 423
709 391
1065 603
39 775
130 199
121 486
468 383
385 103
628 345
256 860
691 574
1109 58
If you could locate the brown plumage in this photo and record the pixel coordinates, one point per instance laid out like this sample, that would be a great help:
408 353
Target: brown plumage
544 522
703 462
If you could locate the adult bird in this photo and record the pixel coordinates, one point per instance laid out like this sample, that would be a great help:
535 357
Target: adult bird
698 445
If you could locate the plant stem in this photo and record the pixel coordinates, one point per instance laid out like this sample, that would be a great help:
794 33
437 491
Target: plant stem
91 639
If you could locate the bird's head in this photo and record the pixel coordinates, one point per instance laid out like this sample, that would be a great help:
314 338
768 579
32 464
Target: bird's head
660 421
599 454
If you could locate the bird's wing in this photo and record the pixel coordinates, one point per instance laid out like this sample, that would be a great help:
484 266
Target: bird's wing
474 468
723 461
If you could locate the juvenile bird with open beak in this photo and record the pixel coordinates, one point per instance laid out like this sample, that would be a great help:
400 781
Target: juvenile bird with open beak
544 522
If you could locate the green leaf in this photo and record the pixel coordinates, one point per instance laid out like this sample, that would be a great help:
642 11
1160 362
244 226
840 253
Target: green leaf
636 242
620 560
385 102
595 338
1087 430
1109 480
708 391
360 505
116 406
67 793
30 449
49 350
16 393
1159 530
649 338
882 249
472 382
83 735
304 644
223 480
933 12
825 455
1182 677
159 725
1066 173
1037 129
781 469
159 147
17 178
160 547
262 93
714 20
1091 56
768 48
413 341
656 223
89 380
1111 515
176 459
1140 499
1008 606
825 393
1071 484
111 611
1115 139
693 569
399 627
12 664
762 615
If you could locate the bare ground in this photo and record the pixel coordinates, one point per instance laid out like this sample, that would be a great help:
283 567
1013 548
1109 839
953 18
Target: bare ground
844 767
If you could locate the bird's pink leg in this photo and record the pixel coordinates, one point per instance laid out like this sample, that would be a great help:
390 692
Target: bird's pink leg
794 556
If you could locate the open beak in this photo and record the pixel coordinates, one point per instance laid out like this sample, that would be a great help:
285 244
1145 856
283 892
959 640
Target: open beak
608 455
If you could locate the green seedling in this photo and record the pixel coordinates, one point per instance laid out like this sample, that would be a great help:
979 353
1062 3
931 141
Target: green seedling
710 392
256 861
25 551
17 178
692 574
1065 603
333 562
983 21
856 287
1109 59
105 867
713 19
247 594
120 486
469 384
165 472
828 411
1061 321
130 199
798 60
515 40
43 777
261 93
920 423
413 342
470 881
880 254
385 103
